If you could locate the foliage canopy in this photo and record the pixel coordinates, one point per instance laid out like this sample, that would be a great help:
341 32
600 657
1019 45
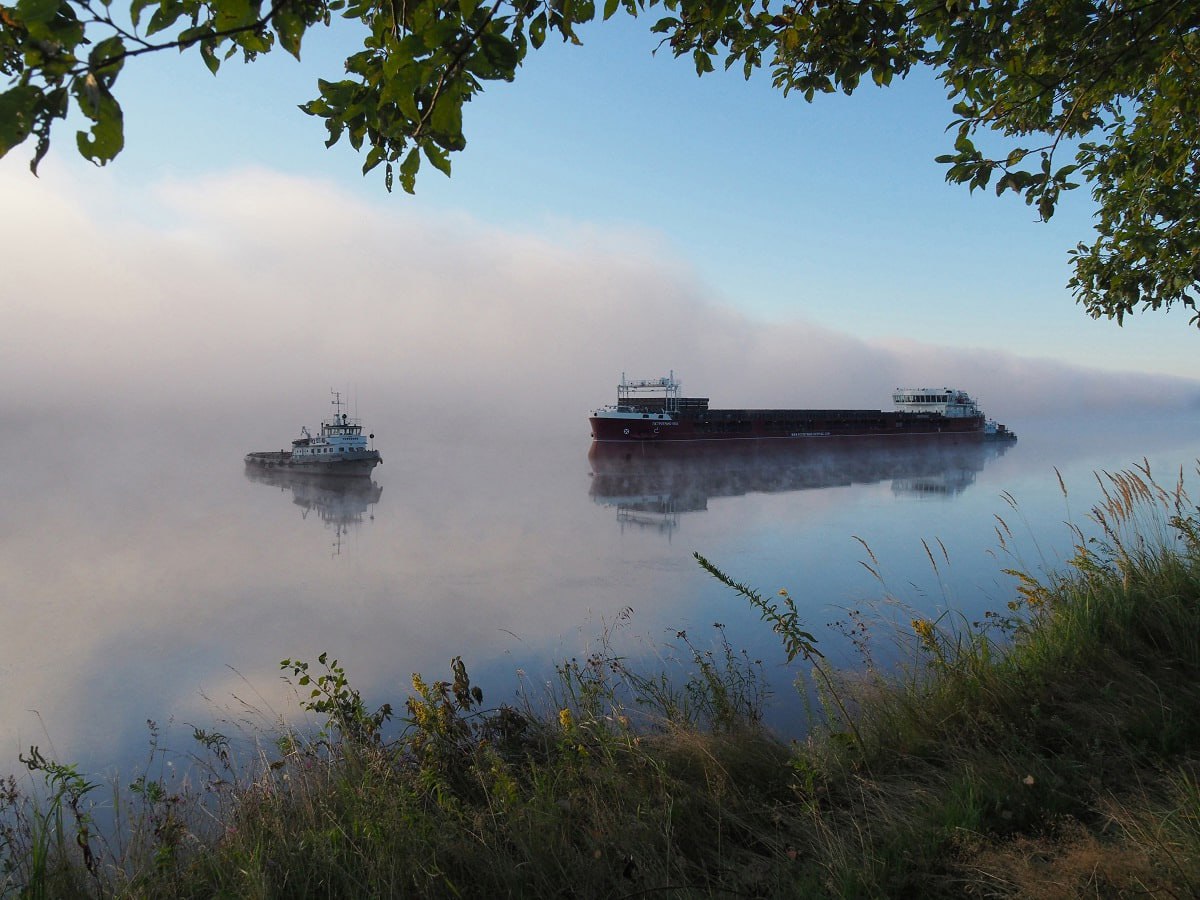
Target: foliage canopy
1111 85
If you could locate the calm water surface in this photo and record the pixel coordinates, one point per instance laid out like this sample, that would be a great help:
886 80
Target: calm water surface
149 575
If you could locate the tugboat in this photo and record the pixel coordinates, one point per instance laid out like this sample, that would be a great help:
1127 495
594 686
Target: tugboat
340 449
655 411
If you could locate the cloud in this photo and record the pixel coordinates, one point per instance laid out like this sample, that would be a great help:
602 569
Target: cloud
263 287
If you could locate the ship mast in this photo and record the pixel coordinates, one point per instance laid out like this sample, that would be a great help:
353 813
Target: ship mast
671 390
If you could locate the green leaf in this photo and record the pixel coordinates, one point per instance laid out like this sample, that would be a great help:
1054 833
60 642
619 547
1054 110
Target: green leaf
446 116
499 51
107 137
135 10
610 8
107 59
235 14
17 108
438 157
537 30
164 17
290 29
374 157
208 52
191 36
37 12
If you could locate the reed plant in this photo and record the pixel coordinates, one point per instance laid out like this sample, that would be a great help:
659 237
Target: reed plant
1050 749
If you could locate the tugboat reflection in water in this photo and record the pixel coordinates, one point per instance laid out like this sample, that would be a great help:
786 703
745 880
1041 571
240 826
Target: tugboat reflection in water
337 502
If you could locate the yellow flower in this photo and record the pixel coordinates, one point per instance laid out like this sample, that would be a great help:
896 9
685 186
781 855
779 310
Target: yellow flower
924 630
565 720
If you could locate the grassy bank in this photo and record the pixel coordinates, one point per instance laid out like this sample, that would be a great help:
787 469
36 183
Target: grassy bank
1051 749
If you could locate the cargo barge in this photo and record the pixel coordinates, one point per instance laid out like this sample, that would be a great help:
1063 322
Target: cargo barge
340 449
655 410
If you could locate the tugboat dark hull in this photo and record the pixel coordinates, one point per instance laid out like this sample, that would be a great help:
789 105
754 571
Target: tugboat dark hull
359 466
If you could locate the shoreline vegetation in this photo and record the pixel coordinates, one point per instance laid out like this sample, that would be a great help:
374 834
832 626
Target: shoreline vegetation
1051 749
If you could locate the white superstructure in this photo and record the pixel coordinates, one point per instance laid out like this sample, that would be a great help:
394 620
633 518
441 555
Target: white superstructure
341 438
668 388
949 402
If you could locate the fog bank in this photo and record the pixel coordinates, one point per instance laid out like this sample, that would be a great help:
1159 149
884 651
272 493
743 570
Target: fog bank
258 292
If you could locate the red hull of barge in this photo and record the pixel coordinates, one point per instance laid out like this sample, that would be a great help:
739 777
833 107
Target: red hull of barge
817 426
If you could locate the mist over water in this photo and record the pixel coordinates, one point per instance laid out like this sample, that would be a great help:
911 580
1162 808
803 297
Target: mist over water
149 576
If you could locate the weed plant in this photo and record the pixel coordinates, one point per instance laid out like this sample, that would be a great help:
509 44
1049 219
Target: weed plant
1051 749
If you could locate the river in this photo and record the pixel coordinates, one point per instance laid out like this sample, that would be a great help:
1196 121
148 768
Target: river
150 576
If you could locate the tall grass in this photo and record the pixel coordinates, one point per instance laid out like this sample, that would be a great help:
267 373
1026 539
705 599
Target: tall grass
1052 749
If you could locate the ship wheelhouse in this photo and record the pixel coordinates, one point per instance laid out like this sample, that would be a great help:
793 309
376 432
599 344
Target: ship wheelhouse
340 438
948 402
655 399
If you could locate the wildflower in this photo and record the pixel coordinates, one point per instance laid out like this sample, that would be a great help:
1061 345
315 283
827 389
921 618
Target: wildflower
924 630
420 714
565 720
1027 781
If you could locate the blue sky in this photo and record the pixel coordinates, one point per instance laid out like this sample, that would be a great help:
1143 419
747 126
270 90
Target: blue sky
831 213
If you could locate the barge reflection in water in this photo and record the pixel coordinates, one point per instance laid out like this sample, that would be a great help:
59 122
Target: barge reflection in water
651 484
